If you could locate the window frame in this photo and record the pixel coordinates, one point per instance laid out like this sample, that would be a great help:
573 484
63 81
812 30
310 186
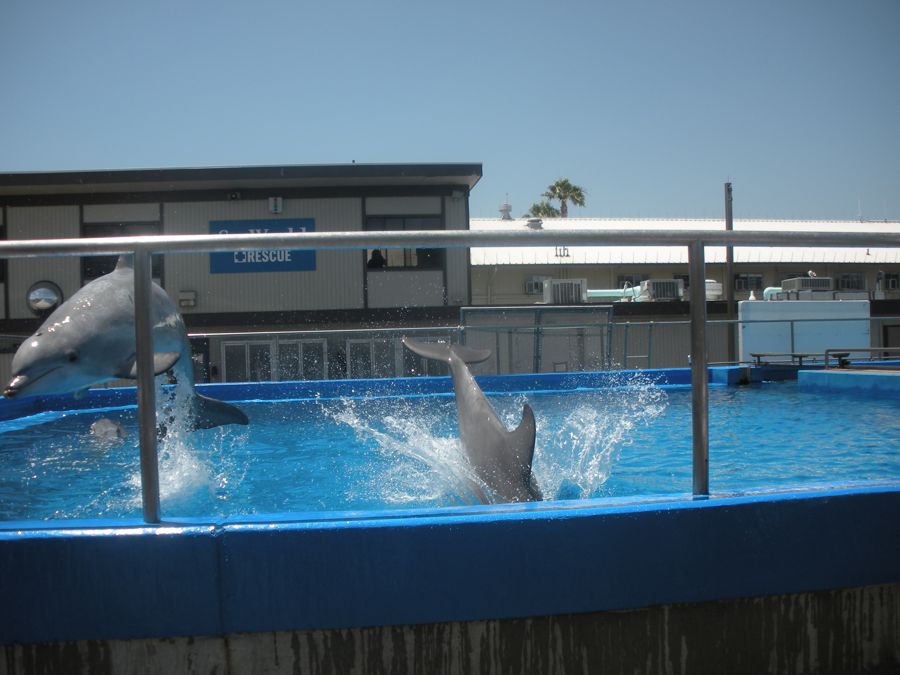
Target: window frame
410 256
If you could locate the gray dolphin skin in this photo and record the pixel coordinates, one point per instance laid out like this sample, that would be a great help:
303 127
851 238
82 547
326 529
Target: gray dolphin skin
500 458
90 339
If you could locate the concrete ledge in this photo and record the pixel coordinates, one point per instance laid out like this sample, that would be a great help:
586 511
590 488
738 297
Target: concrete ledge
851 630
884 384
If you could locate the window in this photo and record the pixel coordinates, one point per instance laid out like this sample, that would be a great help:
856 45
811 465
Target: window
851 281
891 281
534 285
634 280
97 265
748 282
404 258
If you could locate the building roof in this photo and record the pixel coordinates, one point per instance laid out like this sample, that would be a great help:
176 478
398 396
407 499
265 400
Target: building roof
670 255
243 177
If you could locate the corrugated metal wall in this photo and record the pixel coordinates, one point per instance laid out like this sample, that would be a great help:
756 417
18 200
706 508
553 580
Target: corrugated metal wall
121 213
337 282
456 217
45 222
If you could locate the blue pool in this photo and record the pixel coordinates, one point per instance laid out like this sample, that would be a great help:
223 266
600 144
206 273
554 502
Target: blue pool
376 449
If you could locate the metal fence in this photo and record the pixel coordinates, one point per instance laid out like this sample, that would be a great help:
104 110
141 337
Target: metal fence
695 240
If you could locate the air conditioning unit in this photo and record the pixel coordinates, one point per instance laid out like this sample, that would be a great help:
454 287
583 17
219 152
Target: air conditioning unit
808 284
565 291
655 290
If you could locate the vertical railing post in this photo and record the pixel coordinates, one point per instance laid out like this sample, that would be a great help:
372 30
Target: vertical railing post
699 384
146 386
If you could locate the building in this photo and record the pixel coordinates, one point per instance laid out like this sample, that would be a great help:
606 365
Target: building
294 314
513 276
260 291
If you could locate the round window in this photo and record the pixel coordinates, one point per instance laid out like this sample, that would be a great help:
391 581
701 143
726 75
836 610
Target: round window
43 297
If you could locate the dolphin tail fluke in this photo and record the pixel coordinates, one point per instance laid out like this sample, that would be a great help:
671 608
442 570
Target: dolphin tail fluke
441 351
209 413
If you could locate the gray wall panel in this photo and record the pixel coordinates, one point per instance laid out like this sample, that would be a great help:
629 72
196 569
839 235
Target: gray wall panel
43 222
337 282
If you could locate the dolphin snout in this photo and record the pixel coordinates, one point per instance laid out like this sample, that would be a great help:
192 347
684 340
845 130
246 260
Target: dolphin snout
15 385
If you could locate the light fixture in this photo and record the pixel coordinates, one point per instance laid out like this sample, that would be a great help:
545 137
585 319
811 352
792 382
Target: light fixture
187 298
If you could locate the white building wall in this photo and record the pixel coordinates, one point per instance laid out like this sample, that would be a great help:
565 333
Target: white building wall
336 283
44 222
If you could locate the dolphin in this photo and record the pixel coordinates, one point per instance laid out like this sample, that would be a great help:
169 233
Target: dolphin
90 339
501 459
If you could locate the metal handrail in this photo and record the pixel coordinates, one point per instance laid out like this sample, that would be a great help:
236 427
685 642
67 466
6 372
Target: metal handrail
695 240
838 351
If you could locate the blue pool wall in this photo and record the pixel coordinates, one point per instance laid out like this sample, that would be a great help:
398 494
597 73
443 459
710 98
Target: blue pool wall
106 580
407 386
120 579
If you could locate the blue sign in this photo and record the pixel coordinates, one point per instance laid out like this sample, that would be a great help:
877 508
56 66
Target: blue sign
265 260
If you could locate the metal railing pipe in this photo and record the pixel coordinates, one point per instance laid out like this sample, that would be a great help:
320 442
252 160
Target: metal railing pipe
699 384
29 248
146 388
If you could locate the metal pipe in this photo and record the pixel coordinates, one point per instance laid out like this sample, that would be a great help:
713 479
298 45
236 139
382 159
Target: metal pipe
146 386
729 273
699 384
32 248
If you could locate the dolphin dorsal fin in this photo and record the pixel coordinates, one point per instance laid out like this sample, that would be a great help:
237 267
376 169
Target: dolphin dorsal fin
523 439
162 361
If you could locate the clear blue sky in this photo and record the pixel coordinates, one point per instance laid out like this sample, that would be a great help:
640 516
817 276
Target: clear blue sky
649 105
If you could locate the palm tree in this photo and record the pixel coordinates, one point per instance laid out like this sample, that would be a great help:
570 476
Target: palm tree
542 210
565 192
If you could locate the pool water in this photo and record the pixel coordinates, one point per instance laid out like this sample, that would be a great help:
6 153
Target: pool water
400 452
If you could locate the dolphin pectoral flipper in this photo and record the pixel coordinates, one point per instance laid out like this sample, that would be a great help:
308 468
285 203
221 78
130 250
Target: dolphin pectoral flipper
209 412
162 361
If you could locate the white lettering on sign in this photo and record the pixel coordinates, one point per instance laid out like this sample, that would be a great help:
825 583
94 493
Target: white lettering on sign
275 255
272 256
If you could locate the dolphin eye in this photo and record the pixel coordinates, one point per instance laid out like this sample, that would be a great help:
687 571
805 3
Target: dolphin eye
72 355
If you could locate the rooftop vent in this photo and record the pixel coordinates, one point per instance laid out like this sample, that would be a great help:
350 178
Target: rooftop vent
535 223
808 284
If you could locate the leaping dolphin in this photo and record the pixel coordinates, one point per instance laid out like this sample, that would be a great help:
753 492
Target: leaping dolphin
90 339
501 459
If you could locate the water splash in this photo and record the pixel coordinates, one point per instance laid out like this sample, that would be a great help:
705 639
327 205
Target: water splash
422 461
577 452
575 449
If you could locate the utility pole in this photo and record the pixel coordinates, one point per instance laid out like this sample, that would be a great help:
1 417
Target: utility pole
728 285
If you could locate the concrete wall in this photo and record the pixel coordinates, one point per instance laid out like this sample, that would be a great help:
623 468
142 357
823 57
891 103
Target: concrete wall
843 631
